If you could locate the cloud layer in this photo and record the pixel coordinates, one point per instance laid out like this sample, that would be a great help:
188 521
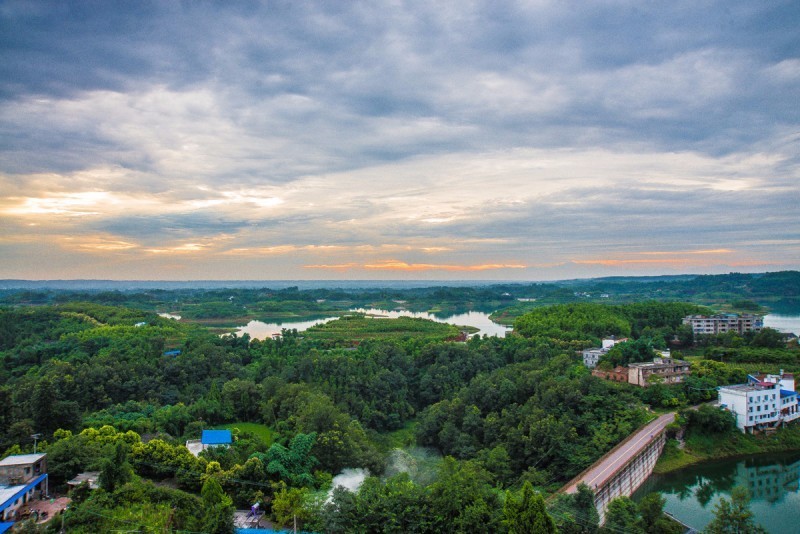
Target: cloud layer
528 140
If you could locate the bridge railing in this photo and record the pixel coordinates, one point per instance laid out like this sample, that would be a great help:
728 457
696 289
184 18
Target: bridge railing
577 479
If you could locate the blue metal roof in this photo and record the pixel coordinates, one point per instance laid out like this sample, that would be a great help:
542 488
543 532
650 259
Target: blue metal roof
23 489
5 526
216 437
787 393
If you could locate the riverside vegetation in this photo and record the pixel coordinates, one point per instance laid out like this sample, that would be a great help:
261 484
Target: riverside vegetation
511 419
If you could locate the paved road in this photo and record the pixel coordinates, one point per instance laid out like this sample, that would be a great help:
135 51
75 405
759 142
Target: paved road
599 473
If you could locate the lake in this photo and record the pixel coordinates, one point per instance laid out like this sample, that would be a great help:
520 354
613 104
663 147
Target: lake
783 322
262 330
772 480
480 320
476 319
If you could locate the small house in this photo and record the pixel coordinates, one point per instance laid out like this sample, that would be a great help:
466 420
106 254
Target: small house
216 438
209 438
23 478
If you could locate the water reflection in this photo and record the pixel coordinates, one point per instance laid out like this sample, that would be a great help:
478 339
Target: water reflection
476 319
480 320
772 480
262 330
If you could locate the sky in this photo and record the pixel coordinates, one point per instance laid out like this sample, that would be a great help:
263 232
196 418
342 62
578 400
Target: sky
398 140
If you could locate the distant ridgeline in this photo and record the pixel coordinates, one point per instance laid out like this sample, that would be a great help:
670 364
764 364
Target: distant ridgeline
780 291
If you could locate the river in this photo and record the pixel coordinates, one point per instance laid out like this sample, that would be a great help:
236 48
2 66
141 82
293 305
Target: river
772 480
479 320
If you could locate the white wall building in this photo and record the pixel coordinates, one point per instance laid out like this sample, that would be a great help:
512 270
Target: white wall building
724 322
592 356
759 404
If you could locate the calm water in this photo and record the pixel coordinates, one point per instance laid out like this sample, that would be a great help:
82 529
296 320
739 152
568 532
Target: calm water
262 330
783 322
480 320
772 480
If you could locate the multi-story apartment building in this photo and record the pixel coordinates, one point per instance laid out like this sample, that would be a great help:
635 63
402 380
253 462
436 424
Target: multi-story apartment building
667 371
724 322
760 404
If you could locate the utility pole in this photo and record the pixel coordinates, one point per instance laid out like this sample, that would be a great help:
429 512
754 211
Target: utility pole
35 437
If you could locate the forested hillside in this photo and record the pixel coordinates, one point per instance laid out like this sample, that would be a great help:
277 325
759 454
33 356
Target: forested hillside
117 386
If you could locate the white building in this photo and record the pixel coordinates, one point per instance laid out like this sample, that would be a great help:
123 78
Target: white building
785 380
592 356
724 322
760 404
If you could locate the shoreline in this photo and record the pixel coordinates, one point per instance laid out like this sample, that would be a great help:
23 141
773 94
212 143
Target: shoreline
702 449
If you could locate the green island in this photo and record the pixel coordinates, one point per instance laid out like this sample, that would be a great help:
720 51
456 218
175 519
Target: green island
446 431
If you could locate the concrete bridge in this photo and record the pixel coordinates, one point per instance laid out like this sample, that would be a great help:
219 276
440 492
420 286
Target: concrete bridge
623 469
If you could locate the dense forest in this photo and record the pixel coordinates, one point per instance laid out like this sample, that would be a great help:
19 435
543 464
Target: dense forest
229 305
455 434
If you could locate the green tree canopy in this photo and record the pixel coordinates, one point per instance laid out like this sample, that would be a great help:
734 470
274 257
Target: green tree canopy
734 515
525 513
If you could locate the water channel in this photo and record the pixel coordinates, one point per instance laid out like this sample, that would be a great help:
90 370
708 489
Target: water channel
771 479
480 320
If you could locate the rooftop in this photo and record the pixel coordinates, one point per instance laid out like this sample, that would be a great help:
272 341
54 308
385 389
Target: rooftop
216 437
92 477
7 492
758 386
21 459
659 362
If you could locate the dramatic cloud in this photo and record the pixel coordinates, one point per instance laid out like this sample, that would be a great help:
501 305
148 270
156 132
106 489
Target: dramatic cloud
528 140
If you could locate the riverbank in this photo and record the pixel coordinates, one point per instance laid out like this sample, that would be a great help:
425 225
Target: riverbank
699 448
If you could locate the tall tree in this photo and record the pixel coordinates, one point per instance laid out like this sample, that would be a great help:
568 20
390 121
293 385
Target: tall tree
116 470
288 506
734 516
292 465
45 417
218 516
525 513
651 508
578 512
622 515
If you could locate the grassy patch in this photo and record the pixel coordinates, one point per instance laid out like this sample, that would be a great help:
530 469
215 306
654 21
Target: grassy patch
402 438
263 432
703 447
360 327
